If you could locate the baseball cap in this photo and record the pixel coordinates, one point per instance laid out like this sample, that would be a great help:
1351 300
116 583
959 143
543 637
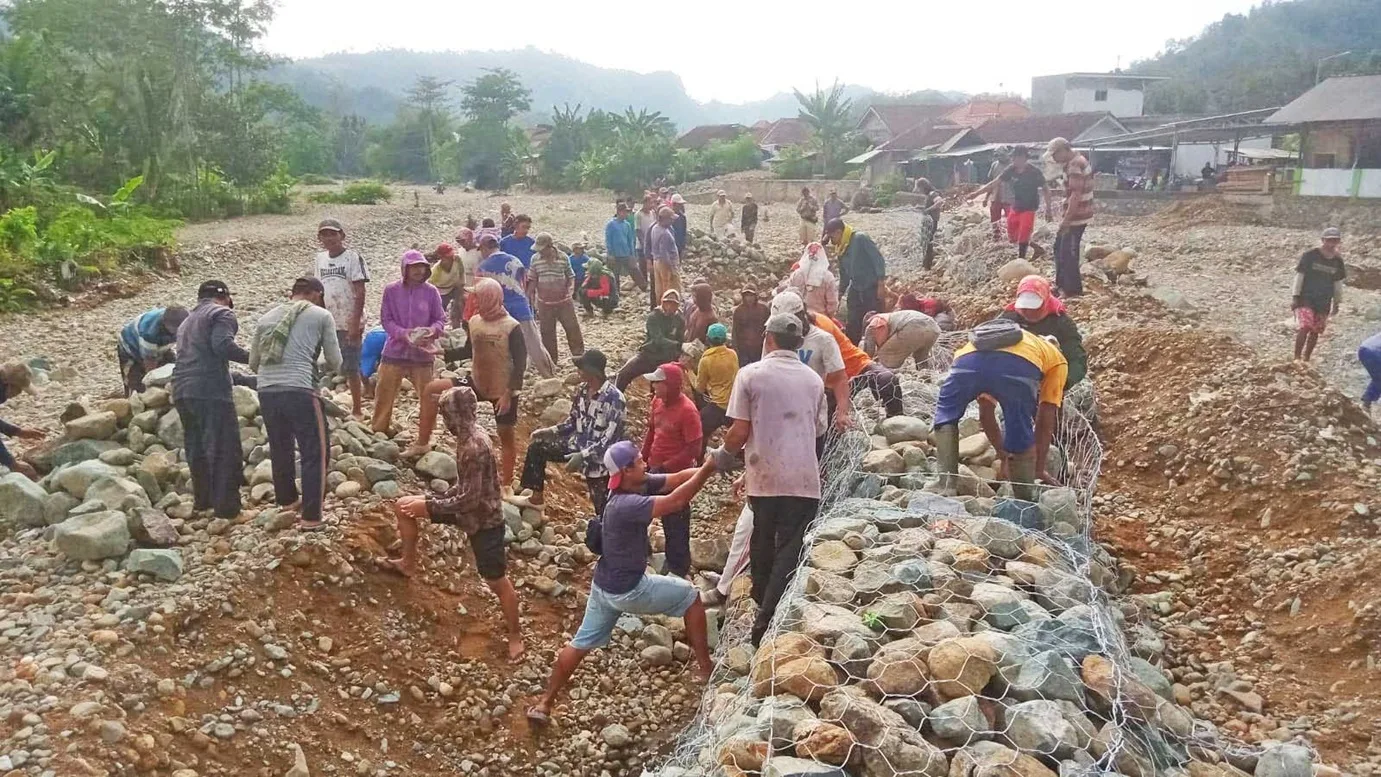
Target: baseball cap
672 294
787 302
591 361
308 286
677 199
1029 300
784 324
617 458
717 333
1332 233
332 225
212 289
656 376
542 239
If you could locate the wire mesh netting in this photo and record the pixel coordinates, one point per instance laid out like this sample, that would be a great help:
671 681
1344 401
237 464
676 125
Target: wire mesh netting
934 635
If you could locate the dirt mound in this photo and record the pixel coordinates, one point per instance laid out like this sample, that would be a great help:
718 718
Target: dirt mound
1204 210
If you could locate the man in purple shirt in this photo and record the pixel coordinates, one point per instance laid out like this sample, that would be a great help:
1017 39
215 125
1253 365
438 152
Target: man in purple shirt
621 583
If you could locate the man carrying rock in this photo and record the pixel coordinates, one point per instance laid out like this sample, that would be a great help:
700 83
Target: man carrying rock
284 353
1318 291
146 341
778 410
666 328
201 393
595 423
620 583
343 274
16 377
473 505
1025 374
862 272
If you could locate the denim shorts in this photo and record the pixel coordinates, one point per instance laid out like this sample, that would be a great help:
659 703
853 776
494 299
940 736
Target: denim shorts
654 595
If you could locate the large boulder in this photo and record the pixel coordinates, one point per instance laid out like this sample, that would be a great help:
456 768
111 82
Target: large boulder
901 428
93 536
246 401
77 478
21 502
166 565
117 493
962 666
435 464
94 426
170 430
904 752
885 462
1040 727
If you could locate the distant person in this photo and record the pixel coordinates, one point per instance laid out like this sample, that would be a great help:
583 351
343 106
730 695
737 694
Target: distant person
1318 290
146 342
666 259
862 272
679 224
507 220
202 395
512 276
579 261
447 272
808 210
287 340
750 323
1369 354
721 215
343 273
646 219
1078 212
748 215
598 290
930 219
833 207
16 378
469 261
1208 173
554 282
1028 188
620 241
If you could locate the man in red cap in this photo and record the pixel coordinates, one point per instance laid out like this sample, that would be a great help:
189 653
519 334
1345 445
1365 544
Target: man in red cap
671 445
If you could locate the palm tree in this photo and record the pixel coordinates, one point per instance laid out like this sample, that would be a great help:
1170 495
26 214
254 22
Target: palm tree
642 123
829 114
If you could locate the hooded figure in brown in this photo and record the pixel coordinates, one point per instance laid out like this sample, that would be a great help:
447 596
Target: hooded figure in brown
750 324
701 314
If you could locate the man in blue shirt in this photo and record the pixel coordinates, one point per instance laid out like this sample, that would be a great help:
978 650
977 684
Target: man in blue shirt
620 243
520 243
146 341
621 583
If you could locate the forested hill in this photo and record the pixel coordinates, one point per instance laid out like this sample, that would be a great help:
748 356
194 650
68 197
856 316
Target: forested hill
1266 57
373 85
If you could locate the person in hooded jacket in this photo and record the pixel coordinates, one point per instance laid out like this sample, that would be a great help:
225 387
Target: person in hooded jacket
671 445
473 505
750 323
16 377
599 289
812 279
1040 312
413 317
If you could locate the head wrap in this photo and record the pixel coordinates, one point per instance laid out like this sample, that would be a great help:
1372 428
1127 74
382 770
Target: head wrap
814 266
1036 284
489 299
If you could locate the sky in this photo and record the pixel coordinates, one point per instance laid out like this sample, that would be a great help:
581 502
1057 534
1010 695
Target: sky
728 51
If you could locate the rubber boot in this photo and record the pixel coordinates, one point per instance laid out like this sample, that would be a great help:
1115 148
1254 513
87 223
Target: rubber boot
947 458
1021 468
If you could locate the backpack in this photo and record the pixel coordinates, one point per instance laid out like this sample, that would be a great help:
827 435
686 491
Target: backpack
995 334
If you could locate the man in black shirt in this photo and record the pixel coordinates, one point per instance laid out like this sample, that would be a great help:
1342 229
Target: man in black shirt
1318 291
1028 186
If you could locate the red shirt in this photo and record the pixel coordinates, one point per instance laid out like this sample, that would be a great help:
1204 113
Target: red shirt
673 435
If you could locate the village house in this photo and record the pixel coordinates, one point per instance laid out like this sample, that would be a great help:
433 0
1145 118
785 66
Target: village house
881 123
1121 94
1339 124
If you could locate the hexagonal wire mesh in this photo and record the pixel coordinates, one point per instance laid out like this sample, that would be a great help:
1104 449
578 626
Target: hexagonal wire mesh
927 635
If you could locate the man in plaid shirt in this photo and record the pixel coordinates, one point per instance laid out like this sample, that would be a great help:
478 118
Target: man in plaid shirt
595 423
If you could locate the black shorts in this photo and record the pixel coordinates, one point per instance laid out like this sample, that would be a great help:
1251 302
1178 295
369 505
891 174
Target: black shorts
491 559
509 418
349 355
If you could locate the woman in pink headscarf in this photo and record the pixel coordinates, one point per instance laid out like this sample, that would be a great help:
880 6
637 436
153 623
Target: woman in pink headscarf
813 280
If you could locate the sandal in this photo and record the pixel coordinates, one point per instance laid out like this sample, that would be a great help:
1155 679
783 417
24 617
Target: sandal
537 717
310 526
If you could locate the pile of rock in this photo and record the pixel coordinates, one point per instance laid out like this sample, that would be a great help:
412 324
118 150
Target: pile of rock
934 635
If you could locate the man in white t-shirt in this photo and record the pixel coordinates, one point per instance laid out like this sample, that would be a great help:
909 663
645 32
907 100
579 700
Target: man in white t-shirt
819 351
343 274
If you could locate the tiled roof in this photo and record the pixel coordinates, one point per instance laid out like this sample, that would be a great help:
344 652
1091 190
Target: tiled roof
700 137
1038 129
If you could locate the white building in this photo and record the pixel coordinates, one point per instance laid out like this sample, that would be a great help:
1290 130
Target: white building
1121 94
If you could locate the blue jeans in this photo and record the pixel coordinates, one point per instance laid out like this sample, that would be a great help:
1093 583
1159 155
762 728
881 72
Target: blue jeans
1371 360
653 595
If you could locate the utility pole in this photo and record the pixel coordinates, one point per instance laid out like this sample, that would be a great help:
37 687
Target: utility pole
1318 65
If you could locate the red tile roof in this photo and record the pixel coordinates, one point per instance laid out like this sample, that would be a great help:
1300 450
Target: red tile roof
975 112
700 137
1039 129
923 136
900 118
786 132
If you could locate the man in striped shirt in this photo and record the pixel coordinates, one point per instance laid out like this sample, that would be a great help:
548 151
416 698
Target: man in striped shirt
1078 212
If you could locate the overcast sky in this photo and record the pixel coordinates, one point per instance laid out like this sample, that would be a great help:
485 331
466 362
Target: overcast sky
734 51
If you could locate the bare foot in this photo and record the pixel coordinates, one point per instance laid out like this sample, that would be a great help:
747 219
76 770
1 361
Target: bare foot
396 566
702 673
416 451
516 648
358 415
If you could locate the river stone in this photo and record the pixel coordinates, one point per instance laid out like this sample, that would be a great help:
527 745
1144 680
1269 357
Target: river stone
385 450
548 388
347 489
1040 727
833 556
73 453
808 678
118 457
157 377
376 470
1061 505
57 506
1027 515
961 666
867 720
990 759
778 717
887 462
823 741
905 753
435 464
152 526
22 502
1152 676
246 401
960 721
95 426
77 478
555 412
388 489
146 421
93 536
825 622
902 428
117 493
996 536
166 565
1046 675
710 554
786 766
1284 760
899 669
170 429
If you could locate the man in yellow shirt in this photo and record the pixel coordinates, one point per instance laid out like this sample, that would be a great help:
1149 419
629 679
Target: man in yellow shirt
1025 375
714 380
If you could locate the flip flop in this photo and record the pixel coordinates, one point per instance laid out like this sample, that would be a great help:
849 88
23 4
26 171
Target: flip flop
537 717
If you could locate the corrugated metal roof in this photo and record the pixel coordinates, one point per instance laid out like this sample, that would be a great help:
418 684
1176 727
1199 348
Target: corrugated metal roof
1341 98
864 157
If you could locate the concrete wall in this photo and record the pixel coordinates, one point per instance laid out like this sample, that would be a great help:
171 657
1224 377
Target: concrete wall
1190 157
1120 102
1314 182
769 190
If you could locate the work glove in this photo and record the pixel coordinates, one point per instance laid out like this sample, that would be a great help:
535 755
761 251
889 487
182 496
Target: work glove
723 460
544 433
575 461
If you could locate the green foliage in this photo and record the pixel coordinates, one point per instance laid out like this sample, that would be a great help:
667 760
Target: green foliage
1264 58
830 116
496 96
873 621
886 189
313 179
792 163
355 193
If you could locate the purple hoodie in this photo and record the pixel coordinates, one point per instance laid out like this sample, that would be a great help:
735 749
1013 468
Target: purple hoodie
407 307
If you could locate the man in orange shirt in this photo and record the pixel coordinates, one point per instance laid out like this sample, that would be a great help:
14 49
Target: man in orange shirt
863 372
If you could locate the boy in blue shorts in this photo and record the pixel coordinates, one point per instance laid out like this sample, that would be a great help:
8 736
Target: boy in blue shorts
621 583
